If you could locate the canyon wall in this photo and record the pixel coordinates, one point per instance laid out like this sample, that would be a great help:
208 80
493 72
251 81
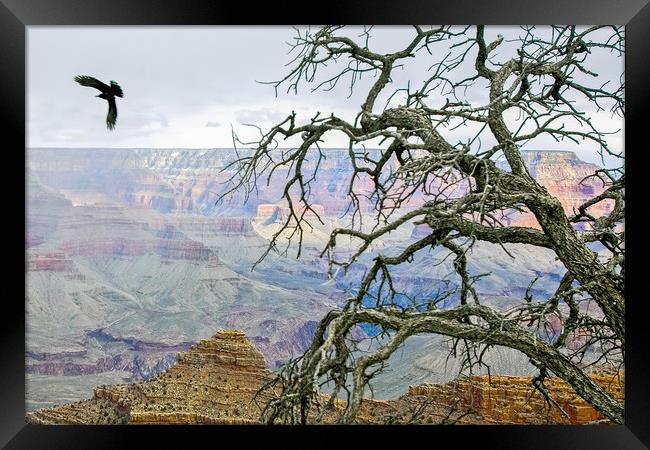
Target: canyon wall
130 258
502 399
566 177
218 381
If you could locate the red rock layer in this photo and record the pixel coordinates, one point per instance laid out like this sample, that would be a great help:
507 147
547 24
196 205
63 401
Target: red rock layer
502 399
567 178
172 249
51 261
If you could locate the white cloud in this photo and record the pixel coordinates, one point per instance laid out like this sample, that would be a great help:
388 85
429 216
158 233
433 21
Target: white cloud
187 86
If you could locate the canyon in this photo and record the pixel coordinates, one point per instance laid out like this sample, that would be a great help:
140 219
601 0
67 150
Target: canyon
219 381
131 258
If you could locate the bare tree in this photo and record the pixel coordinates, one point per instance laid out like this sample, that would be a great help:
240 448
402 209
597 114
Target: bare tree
535 89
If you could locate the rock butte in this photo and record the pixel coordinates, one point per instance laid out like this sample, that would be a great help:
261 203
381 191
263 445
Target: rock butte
216 381
213 382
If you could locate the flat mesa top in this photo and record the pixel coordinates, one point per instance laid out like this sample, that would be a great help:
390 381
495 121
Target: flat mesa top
230 333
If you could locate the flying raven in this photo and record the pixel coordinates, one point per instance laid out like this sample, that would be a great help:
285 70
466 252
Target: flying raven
108 93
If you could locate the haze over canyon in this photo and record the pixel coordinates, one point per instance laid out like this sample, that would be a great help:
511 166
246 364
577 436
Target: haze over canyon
131 259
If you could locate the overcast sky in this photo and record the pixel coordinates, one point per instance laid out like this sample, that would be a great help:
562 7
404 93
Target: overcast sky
186 86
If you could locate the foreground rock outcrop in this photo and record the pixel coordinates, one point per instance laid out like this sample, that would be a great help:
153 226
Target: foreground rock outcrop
217 381
502 399
213 382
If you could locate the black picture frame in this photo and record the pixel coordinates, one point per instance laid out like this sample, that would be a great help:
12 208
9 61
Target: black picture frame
16 15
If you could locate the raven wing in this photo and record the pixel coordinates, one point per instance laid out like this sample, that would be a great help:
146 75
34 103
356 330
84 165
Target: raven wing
85 80
111 117
116 89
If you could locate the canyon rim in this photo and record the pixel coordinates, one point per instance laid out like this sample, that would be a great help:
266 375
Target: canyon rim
418 224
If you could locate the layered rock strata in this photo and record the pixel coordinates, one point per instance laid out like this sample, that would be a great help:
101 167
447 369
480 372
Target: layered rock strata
502 399
218 381
213 382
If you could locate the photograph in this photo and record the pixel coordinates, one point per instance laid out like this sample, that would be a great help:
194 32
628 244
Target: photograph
317 225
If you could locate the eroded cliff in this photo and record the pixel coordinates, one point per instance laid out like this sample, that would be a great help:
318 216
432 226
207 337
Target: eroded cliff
218 381
213 382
